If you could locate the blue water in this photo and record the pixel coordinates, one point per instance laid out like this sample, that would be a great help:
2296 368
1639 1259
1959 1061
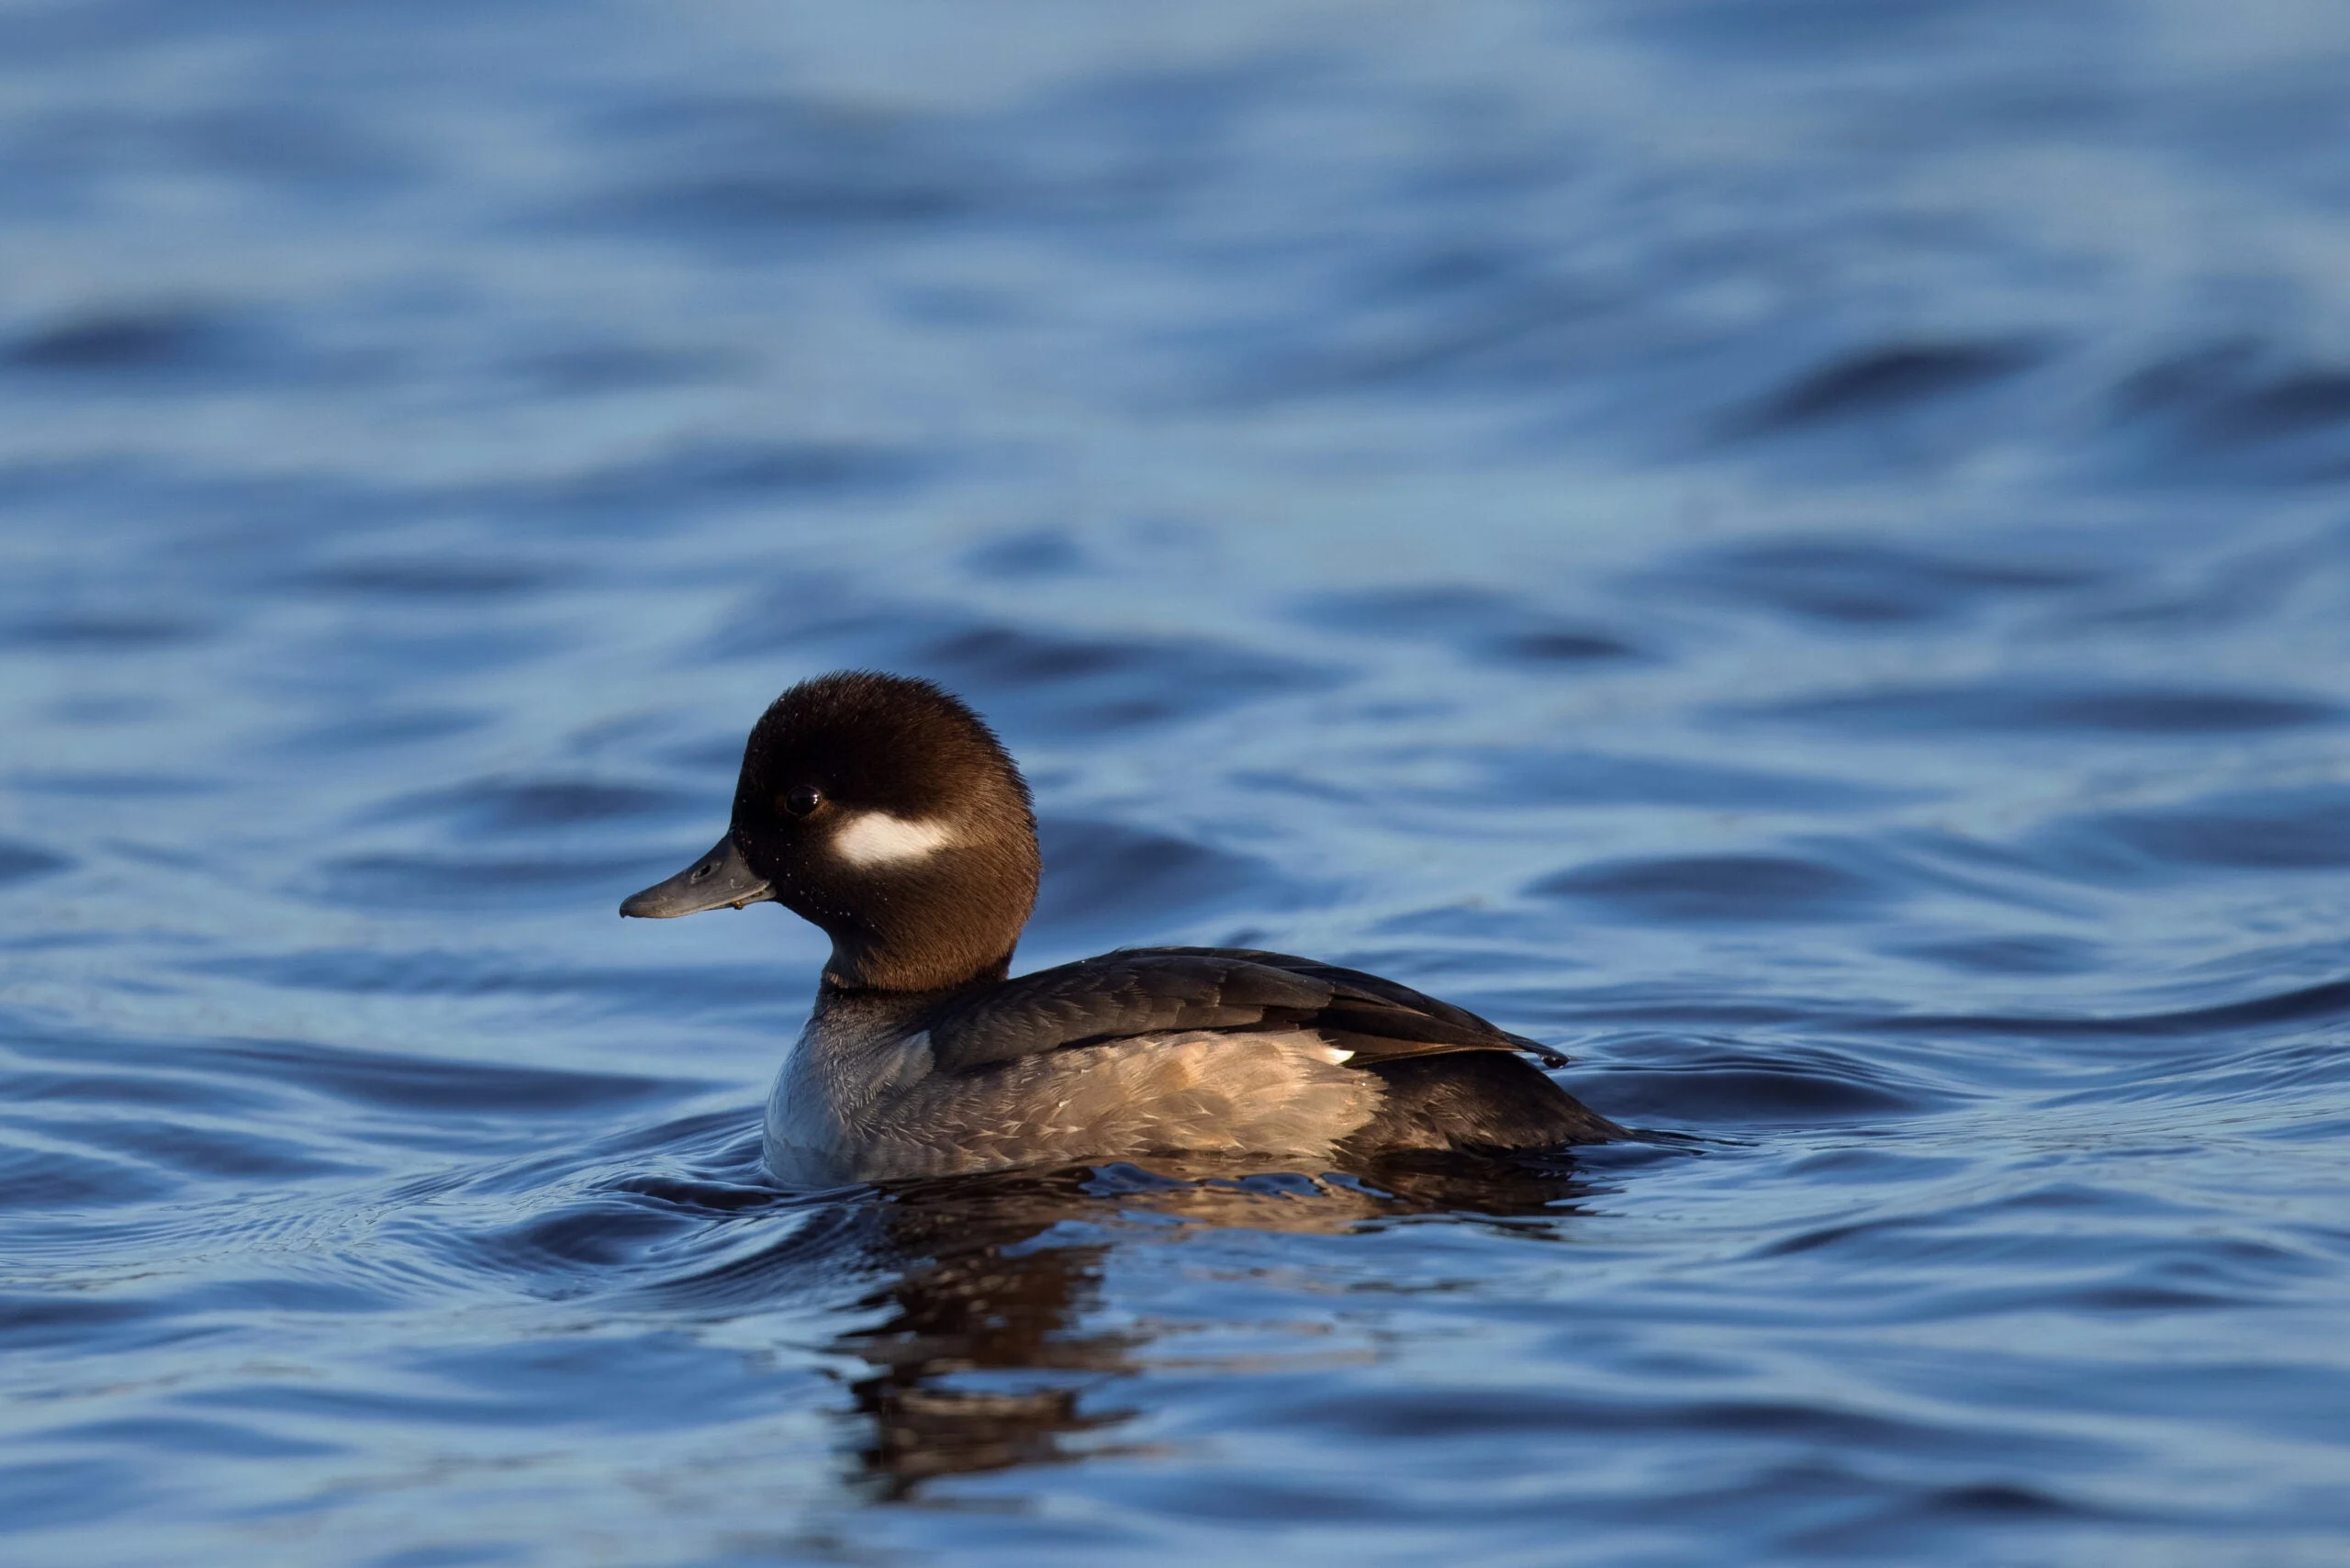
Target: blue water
1795 548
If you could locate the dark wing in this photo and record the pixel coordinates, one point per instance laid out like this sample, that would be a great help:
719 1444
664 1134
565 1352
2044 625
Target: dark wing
1381 1009
1150 990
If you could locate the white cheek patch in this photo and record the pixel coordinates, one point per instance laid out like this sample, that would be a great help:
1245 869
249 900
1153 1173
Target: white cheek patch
876 838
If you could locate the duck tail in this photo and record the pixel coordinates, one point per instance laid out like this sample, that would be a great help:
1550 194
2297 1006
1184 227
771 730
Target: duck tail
1474 1100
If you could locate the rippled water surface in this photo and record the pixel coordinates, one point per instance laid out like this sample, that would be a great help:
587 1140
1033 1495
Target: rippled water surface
1795 548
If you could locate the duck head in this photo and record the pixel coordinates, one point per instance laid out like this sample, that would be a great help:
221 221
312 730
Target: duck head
883 811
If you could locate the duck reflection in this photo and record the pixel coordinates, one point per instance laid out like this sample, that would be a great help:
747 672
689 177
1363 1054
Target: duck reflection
986 1362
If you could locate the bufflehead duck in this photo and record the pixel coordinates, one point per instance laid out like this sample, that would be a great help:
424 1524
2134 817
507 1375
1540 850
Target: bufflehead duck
885 811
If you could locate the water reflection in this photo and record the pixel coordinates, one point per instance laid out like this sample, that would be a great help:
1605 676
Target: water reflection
986 1362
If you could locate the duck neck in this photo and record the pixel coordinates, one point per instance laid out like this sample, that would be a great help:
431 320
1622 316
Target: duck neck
858 964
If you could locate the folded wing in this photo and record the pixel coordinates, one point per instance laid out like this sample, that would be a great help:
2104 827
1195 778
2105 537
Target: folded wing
1149 990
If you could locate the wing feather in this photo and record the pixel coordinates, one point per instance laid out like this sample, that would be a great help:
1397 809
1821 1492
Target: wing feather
1152 990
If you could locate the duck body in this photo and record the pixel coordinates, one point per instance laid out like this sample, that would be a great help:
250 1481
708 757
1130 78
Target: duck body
885 811
865 1096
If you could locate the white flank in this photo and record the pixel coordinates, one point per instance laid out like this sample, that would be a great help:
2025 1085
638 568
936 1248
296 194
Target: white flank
876 838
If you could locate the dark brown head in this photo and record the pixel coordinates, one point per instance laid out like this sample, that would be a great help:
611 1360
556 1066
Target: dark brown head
884 811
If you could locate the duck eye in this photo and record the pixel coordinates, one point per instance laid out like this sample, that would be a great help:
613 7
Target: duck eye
801 799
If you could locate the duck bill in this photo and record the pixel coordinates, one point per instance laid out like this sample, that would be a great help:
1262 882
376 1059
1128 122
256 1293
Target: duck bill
717 880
